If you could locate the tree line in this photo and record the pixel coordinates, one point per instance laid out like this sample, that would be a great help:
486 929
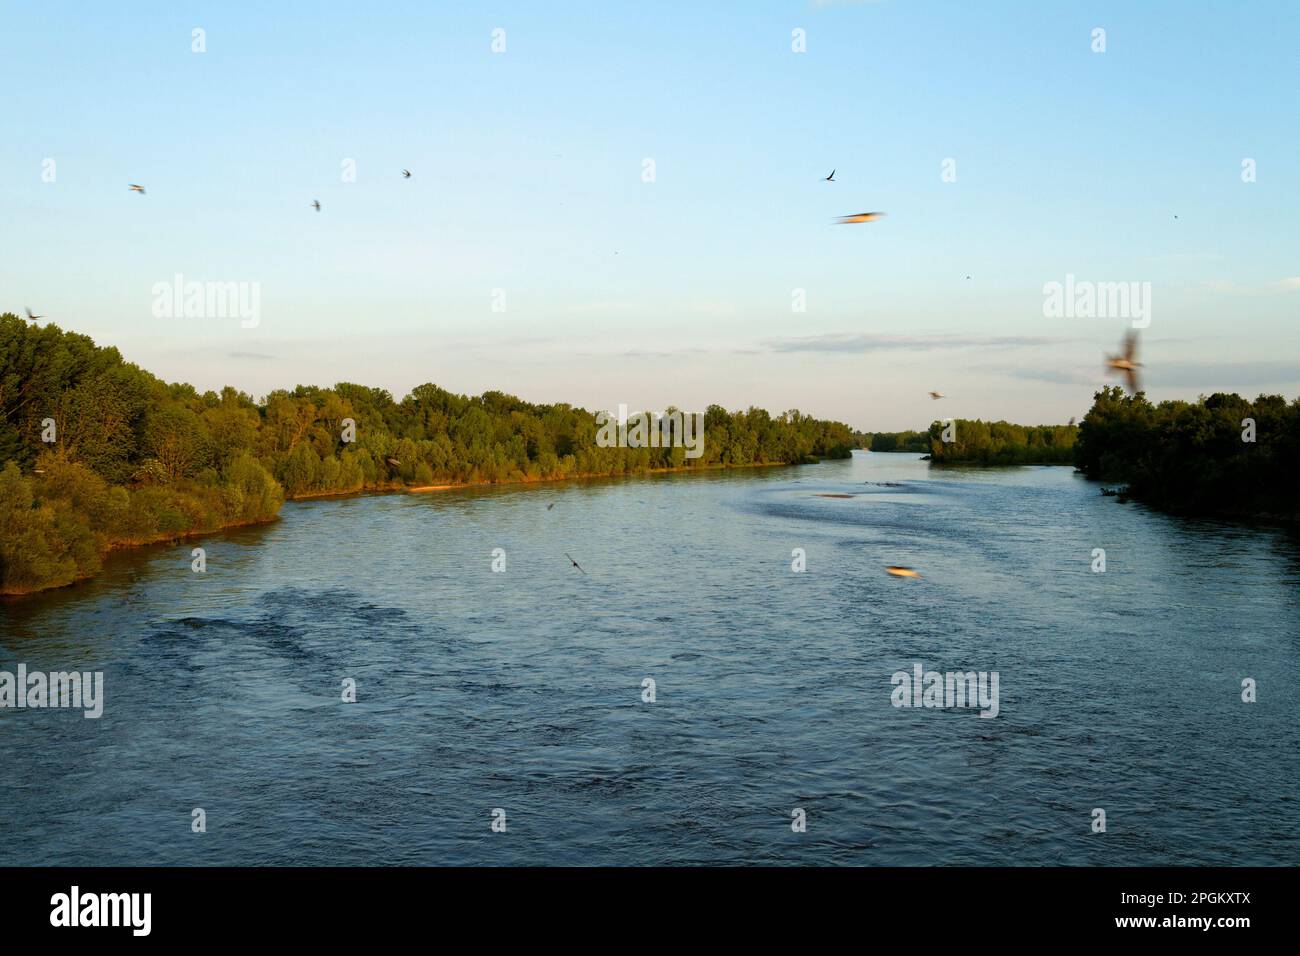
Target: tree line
1221 455
98 453
909 441
972 441
1001 443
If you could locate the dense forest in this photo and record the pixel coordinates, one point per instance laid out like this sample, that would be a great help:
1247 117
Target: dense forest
1221 455
918 442
96 453
1002 443
1203 457
982 443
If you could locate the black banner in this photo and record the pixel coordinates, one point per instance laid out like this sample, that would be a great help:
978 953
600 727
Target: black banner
210 905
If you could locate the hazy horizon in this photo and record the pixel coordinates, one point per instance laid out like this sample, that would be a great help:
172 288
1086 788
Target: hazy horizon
528 178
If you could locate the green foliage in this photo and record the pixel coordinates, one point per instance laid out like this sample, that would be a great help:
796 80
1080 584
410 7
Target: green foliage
139 460
1191 457
917 442
1002 443
35 550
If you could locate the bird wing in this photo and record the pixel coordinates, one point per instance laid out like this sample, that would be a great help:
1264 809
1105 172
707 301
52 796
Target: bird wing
1130 345
1131 380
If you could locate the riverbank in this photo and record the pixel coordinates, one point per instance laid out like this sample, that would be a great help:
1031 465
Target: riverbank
131 544
125 544
402 489
145 460
977 463
590 476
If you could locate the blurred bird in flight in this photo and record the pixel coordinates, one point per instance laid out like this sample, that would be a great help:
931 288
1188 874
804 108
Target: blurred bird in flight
899 571
830 178
936 395
33 317
1126 363
406 174
574 563
315 204
135 189
860 217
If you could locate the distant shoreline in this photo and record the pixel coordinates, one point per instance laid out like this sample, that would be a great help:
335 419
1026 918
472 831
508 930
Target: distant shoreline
396 489
976 463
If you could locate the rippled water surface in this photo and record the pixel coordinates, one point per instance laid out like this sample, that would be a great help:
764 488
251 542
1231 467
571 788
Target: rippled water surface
522 690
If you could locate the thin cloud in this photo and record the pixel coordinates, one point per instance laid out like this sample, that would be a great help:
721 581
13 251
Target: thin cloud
1287 284
1204 376
660 353
1053 376
1226 374
913 343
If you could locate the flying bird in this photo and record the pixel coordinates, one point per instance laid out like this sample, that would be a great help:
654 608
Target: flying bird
550 506
574 563
394 462
936 395
406 174
135 189
899 571
33 317
1071 421
830 178
860 217
1125 362
315 204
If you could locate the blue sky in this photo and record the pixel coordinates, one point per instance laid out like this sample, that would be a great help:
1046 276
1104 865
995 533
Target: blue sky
528 178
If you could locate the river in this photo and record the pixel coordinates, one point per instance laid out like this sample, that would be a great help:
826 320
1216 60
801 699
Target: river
522 690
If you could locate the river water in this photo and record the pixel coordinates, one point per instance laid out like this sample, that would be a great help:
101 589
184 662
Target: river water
523 691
